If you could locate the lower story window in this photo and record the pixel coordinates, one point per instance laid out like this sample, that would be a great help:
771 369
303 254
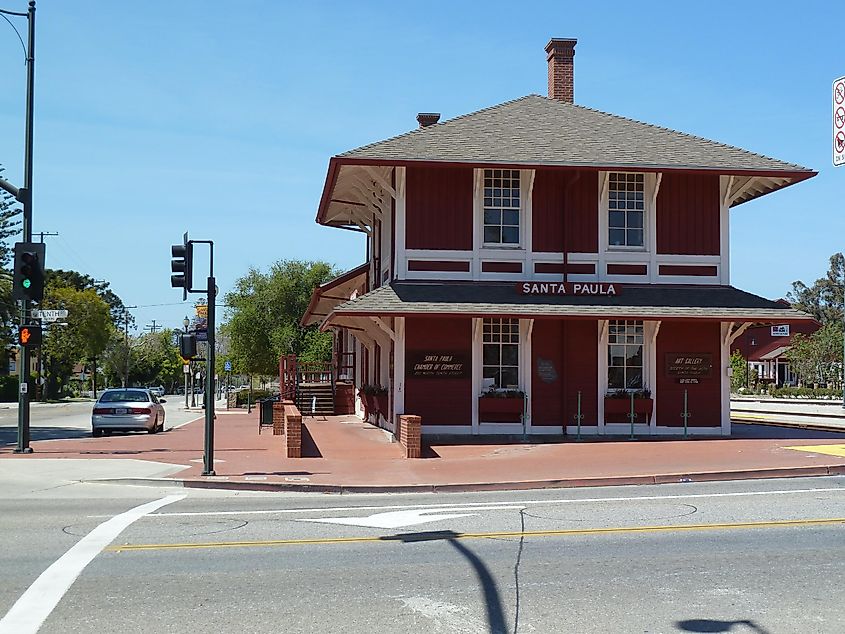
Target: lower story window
625 355
500 353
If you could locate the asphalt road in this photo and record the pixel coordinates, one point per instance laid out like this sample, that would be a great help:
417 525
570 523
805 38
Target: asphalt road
73 419
751 556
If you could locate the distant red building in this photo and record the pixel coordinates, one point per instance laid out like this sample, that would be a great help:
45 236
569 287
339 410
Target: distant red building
550 253
764 348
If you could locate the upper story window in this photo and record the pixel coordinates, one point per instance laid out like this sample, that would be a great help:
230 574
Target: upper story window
626 209
501 207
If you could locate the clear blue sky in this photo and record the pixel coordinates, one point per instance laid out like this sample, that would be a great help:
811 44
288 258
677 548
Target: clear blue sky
157 117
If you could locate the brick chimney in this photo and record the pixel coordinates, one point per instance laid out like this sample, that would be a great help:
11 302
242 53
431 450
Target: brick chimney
561 57
426 119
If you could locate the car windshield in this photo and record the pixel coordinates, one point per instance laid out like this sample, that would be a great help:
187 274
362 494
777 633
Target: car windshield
132 396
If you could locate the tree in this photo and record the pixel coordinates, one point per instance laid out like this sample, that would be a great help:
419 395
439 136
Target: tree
824 299
81 282
85 336
739 374
9 227
817 358
263 315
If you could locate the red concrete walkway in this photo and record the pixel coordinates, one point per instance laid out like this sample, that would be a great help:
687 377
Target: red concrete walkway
343 453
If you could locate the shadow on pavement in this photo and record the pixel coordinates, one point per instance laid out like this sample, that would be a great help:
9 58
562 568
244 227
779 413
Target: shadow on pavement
495 611
9 435
710 625
309 447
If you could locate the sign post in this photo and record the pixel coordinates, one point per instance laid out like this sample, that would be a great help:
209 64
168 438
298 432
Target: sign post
838 112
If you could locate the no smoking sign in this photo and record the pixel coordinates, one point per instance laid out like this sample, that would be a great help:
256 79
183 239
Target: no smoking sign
838 111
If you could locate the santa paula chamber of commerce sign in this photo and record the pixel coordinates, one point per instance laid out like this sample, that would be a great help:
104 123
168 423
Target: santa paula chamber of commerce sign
688 367
568 288
437 365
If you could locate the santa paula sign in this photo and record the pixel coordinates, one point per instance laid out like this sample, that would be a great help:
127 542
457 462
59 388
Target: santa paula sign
569 288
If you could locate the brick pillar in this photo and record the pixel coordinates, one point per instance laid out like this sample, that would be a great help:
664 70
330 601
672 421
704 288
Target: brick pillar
278 419
293 432
561 58
410 435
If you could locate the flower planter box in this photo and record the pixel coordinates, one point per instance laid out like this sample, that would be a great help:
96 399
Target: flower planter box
369 406
500 410
619 408
381 404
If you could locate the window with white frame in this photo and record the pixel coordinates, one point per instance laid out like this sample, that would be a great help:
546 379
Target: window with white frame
626 209
501 207
625 355
500 353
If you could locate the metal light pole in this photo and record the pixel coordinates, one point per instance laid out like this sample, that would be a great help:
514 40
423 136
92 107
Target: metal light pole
24 196
126 339
186 322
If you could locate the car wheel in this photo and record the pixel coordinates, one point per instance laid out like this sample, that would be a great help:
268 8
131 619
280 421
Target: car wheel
107 432
154 428
96 433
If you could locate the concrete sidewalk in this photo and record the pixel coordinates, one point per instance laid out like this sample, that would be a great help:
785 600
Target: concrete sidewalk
343 454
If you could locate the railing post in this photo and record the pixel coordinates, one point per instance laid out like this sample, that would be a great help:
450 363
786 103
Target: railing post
685 415
632 416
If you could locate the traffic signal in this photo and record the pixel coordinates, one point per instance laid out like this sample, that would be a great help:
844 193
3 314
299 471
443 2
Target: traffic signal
28 276
188 346
181 265
29 335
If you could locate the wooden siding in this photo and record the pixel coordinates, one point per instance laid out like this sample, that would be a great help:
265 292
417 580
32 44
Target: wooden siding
438 208
439 401
688 214
568 347
570 195
704 398
437 265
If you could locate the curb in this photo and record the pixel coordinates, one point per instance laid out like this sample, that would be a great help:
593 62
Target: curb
790 424
563 483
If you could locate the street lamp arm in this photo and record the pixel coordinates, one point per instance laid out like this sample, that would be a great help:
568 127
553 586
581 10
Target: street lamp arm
18 192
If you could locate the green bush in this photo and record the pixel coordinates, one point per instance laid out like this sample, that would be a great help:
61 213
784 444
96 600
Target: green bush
243 395
805 392
9 389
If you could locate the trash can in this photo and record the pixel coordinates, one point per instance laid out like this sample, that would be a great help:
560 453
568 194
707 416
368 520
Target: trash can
265 411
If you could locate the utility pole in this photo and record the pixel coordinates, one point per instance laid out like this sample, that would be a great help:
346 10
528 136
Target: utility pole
126 339
41 235
152 328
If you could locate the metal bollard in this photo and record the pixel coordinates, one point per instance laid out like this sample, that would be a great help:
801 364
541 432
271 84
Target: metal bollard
685 415
632 416
578 418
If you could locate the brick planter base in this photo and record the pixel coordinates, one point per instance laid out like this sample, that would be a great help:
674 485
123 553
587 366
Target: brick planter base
410 435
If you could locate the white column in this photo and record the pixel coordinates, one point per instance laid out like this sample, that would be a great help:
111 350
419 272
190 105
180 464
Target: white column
602 325
476 371
526 327
401 265
398 369
724 233
724 367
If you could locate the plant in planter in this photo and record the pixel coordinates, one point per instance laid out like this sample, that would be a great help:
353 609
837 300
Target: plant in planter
617 404
375 399
501 406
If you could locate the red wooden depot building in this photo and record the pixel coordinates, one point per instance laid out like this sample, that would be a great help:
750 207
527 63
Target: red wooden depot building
549 255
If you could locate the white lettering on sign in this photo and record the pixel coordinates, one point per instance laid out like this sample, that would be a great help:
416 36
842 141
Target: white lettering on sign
780 331
569 288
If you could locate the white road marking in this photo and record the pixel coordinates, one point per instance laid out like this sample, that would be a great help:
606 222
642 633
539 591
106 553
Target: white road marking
400 519
34 606
483 505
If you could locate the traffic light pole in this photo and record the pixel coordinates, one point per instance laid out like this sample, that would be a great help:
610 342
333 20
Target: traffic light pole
25 197
208 462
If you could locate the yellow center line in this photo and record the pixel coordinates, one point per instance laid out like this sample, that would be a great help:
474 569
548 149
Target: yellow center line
438 536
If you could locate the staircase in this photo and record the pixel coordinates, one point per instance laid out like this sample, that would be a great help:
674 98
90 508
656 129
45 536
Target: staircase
324 395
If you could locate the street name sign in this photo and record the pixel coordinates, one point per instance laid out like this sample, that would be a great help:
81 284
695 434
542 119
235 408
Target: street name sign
50 315
839 122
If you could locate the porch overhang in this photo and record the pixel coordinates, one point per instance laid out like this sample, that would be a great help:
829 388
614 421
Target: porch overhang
497 299
334 292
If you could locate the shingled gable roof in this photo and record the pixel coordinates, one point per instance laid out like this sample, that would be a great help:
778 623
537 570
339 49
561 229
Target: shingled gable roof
535 130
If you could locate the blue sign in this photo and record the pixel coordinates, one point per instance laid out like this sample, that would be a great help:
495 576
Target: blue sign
227 366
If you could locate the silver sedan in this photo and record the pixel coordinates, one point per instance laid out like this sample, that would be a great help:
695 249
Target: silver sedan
127 409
